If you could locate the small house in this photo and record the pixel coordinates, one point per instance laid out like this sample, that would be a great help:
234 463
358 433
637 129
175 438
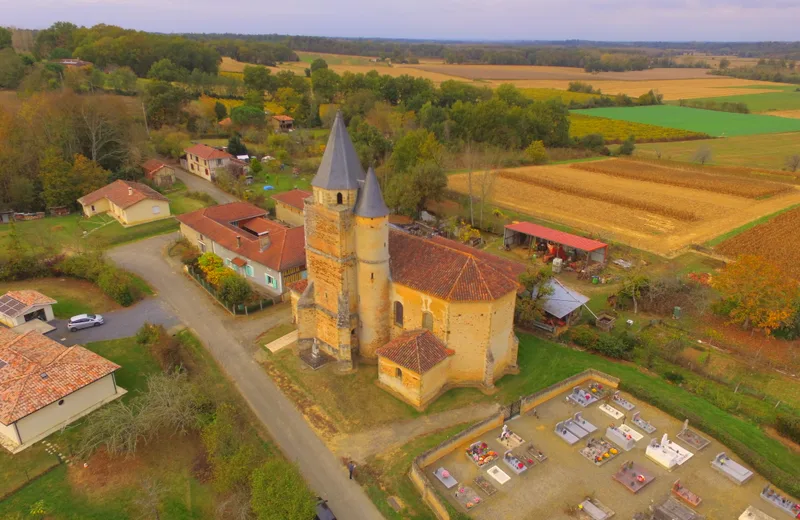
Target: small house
205 161
289 206
131 203
6 216
44 386
159 173
283 123
19 307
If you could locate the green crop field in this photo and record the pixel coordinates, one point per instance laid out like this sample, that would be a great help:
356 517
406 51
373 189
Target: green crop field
753 151
547 94
705 121
783 100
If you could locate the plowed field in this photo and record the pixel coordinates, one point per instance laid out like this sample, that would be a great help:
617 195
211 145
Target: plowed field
777 239
647 214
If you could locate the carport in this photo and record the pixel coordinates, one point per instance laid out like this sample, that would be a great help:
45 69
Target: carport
553 243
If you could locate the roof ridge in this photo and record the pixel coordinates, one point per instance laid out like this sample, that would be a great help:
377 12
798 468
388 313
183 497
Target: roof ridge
483 279
460 274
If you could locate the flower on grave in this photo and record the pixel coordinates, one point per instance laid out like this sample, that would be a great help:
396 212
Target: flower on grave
594 390
461 490
477 499
520 465
445 474
530 461
484 445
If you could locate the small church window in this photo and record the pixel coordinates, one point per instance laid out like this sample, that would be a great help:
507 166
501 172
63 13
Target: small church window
398 373
427 321
339 198
398 314
371 276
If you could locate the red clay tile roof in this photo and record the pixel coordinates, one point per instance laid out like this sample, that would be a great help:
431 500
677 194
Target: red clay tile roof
418 351
260 225
241 262
294 198
449 270
30 297
40 371
17 303
218 223
123 194
282 118
206 152
226 122
151 166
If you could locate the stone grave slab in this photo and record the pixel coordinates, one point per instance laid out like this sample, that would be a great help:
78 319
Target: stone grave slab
633 477
681 493
593 509
583 423
498 474
627 430
666 453
751 513
562 431
535 453
642 424
671 509
467 497
622 402
619 438
484 485
516 464
784 503
445 477
731 469
582 396
599 451
610 410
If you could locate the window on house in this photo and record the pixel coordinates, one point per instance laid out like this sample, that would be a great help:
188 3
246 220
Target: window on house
192 166
427 320
371 276
271 281
228 262
60 402
249 270
156 210
339 198
92 207
398 314
398 373
202 247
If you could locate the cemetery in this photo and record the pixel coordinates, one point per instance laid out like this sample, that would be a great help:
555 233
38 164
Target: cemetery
650 476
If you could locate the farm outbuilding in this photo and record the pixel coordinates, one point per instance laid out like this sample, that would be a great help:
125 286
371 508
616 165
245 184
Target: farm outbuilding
560 308
552 243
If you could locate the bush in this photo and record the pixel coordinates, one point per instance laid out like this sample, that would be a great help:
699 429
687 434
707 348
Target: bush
536 153
117 285
148 333
612 346
201 196
233 290
674 377
584 336
86 266
788 426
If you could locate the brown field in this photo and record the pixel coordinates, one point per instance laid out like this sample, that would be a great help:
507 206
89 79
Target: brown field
794 114
654 216
231 65
528 72
777 239
712 60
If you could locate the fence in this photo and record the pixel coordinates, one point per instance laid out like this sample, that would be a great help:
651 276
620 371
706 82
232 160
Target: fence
239 309
423 484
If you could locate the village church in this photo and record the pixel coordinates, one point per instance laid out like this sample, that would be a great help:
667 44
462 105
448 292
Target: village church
430 312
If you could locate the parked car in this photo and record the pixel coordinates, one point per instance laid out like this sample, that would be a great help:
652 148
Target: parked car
84 321
323 511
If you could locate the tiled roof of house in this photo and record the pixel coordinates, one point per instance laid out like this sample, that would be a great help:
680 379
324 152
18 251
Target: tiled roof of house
449 270
123 194
38 371
282 118
294 198
151 166
206 152
299 285
17 303
218 223
418 351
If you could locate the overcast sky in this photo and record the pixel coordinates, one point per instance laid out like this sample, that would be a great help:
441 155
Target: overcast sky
609 20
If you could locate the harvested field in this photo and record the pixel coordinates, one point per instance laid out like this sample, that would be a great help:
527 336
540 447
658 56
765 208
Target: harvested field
753 151
231 65
717 124
617 130
566 97
684 178
777 239
530 72
793 114
654 216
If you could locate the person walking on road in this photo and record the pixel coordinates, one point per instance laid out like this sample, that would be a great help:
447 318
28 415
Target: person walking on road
351 467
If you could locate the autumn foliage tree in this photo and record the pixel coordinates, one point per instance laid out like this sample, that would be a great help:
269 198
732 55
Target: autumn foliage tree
759 295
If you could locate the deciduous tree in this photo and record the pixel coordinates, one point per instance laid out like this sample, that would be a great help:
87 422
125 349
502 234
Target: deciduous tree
536 290
761 296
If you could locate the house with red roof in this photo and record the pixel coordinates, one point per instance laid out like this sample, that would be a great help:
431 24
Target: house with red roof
431 313
45 386
265 252
158 172
131 203
289 206
20 307
205 161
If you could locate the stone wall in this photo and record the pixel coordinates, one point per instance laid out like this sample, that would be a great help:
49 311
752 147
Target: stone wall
532 401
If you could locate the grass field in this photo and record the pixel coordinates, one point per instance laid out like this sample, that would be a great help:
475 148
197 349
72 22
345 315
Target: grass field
706 121
788 99
617 130
73 296
547 94
755 151
777 239
644 205
340 59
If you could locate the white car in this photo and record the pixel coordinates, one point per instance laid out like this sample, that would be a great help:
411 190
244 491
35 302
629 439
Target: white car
83 321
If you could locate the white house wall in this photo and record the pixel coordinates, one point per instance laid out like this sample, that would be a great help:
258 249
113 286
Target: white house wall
9 432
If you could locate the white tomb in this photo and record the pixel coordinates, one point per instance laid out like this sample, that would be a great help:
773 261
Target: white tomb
666 453
498 474
627 430
610 410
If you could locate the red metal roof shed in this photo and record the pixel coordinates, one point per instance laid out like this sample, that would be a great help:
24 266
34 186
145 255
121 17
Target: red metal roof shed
553 235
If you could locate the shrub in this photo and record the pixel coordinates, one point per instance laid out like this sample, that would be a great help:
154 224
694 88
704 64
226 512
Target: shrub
117 285
148 333
86 266
674 377
584 336
233 290
536 153
788 426
613 346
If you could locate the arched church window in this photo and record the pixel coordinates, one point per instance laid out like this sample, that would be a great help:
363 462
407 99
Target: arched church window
398 314
427 321
398 373
339 198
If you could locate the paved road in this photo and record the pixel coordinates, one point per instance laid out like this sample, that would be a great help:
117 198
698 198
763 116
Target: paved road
195 183
323 471
118 324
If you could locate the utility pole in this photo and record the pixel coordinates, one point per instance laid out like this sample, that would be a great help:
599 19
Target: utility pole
146 128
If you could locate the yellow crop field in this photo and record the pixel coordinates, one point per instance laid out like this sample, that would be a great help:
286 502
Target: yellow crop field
546 94
617 130
654 216
794 114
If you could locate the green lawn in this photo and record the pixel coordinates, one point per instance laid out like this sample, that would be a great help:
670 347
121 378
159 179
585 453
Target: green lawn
783 100
75 232
755 151
73 296
706 121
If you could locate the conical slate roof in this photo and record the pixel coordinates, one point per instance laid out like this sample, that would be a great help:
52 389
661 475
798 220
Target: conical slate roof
370 201
340 168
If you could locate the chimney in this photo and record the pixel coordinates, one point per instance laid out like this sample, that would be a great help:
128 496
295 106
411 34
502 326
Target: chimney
130 191
264 241
238 241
